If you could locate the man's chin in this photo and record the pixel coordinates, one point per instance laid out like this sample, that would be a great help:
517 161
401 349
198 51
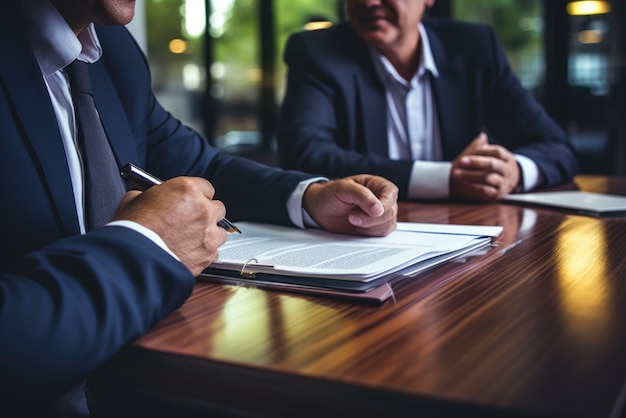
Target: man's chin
376 38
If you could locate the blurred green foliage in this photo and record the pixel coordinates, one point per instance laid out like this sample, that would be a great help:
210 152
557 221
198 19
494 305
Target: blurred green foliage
237 43
516 22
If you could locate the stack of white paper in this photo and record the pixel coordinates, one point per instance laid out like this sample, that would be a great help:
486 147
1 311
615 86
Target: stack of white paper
318 259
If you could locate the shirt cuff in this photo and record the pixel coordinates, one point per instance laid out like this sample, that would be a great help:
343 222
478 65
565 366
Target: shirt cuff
297 214
531 176
430 180
148 233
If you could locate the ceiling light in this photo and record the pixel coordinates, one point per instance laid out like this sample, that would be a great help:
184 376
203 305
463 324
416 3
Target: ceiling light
586 8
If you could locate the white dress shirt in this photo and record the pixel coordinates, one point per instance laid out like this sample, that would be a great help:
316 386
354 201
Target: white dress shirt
413 130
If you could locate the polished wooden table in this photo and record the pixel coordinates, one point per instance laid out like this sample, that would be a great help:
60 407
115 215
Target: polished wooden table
534 327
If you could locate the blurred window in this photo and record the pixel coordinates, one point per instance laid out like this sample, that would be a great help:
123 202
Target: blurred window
175 39
235 71
298 15
519 26
222 98
588 76
589 52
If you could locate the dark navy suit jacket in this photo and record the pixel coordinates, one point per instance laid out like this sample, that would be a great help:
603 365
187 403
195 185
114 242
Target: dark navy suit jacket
68 302
333 118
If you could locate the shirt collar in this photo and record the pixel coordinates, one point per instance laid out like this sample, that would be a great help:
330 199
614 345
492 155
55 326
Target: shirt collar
427 62
54 43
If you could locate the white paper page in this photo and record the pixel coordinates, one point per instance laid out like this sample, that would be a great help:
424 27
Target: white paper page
478 230
316 253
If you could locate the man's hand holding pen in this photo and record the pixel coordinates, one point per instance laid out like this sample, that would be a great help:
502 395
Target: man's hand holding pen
142 180
183 213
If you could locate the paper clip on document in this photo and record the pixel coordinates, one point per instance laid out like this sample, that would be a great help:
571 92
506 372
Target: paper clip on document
249 274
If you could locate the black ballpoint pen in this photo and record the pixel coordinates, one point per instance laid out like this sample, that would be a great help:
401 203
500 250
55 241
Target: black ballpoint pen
142 180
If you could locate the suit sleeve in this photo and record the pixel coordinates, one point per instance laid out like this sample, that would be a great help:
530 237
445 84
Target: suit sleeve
321 129
521 124
67 308
167 148
250 191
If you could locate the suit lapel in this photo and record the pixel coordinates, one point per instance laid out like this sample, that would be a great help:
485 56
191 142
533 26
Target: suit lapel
28 94
374 113
449 90
369 94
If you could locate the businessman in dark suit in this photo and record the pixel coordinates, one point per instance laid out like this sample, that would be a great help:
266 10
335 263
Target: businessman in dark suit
432 106
71 295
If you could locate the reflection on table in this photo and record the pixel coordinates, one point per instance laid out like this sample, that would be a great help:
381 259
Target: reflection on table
533 327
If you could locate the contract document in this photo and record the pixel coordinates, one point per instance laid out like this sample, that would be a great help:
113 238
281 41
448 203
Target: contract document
319 259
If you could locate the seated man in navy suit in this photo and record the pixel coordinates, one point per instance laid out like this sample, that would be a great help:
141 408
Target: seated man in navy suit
71 294
431 105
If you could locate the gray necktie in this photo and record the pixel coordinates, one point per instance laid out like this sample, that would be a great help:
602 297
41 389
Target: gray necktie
104 187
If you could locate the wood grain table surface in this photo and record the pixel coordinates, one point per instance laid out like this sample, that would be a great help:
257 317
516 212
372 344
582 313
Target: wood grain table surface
536 326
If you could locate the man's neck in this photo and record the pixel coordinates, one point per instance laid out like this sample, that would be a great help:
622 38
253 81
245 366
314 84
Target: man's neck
405 58
71 16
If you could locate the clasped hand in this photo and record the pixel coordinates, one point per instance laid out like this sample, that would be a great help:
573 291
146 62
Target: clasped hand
484 172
